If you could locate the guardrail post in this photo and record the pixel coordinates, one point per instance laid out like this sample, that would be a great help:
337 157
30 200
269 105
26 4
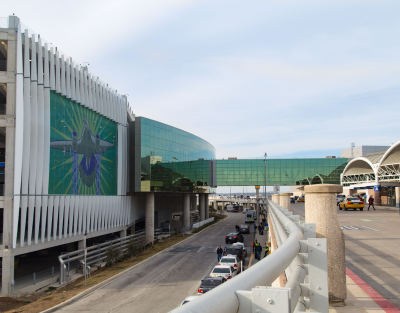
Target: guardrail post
34 278
264 300
52 271
318 274
321 208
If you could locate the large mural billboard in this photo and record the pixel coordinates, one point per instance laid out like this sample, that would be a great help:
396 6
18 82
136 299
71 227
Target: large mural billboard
83 150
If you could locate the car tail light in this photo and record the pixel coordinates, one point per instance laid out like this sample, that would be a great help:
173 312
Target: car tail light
200 291
349 202
226 237
235 265
235 238
229 277
219 263
362 202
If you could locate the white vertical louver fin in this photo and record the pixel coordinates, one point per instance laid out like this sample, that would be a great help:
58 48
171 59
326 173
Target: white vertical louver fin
46 119
76 215
72 83
66 216
19 143
58 73
26 140
71 215
52 70
86 89
77 85
90 91
34 140
61 220
40 203
68 78
63 85
82 87
50 214
57 214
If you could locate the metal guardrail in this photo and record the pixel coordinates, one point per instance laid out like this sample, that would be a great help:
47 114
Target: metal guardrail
199 224
98 253
303 261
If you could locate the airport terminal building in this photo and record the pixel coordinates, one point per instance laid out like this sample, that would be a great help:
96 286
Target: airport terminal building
78 161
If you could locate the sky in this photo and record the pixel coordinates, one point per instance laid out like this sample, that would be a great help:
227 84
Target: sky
289 78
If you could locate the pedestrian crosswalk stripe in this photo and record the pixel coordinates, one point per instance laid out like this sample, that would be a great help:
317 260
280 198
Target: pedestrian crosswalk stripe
351 228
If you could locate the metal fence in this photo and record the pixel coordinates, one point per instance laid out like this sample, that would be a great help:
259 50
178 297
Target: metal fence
299 255
98 252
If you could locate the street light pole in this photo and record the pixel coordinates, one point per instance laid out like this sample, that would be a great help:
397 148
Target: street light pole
265 175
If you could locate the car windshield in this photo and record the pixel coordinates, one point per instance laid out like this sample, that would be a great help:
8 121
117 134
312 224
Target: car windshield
221 270
353 199
232 234
227 260
243 226
211 282
232 251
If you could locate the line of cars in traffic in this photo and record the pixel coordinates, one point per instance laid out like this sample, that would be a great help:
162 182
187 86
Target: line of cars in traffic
230 264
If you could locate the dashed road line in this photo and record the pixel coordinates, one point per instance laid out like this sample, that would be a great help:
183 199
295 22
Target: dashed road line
351 228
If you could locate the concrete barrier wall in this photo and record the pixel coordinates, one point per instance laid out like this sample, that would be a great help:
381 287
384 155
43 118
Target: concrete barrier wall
197 225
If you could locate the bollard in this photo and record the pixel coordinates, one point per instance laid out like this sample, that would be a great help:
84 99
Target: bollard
52 271
321 209
34 278
284 199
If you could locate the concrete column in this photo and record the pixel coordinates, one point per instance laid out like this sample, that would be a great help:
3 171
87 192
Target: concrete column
207 211
397 192
377 195
193 202
81 244
284 199
202 207
321 209
186 211
149 218
122 233
8 272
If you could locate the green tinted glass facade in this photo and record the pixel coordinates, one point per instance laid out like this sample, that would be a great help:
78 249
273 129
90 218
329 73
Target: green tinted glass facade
171 160
287 172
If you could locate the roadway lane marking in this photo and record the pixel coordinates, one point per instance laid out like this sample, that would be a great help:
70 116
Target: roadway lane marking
200 249
139 293
371 228
351 228
251 259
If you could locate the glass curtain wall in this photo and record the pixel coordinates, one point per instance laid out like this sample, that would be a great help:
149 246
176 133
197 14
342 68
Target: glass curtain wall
279 171
172 159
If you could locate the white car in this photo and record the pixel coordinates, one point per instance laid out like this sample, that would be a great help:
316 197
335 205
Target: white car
188 299
231 260
226 271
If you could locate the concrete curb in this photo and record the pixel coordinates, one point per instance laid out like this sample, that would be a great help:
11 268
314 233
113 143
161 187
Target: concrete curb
111 279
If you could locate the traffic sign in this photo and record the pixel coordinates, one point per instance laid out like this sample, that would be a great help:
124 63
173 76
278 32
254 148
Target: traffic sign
85 251
277 187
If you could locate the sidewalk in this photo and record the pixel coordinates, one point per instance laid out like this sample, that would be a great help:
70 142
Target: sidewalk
361 297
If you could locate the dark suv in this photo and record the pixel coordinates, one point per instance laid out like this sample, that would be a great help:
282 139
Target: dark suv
209 283
234 250
234 237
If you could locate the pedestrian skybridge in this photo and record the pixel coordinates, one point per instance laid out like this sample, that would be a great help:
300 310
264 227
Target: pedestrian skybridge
201 175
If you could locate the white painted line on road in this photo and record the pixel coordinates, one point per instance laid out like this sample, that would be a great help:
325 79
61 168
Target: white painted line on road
371 228
139 293
200 249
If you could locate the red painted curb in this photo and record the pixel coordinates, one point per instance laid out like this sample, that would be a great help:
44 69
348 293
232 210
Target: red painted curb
381 301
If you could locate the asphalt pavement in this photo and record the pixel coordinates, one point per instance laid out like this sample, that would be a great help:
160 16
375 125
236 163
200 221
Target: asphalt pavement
164 281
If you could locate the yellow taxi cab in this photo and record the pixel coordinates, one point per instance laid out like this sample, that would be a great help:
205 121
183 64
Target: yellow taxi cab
301 199
351 203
